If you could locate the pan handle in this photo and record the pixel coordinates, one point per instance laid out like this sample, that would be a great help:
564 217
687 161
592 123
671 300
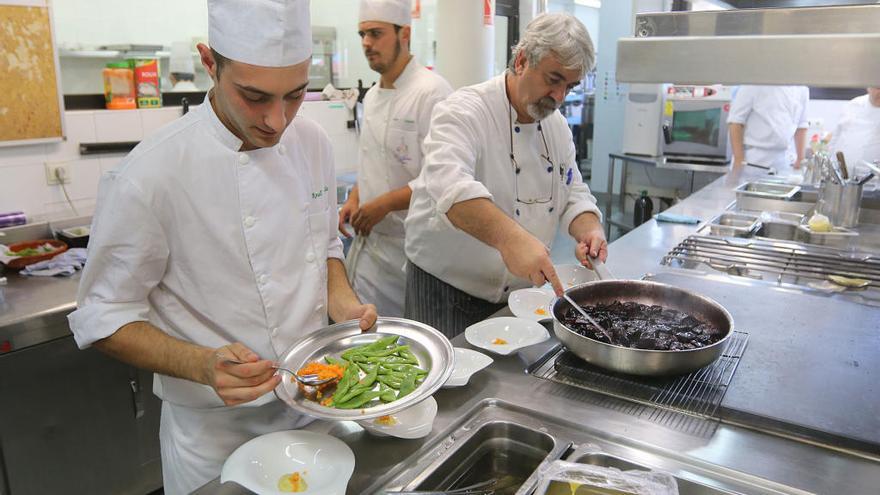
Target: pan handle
601 270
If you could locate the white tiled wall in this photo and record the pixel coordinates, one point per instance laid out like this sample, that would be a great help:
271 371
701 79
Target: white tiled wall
23 184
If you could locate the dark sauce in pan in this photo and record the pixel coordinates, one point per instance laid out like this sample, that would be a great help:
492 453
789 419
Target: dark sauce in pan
639 326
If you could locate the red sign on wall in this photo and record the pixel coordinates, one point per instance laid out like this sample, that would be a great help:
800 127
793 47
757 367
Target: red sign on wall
417 9
488 18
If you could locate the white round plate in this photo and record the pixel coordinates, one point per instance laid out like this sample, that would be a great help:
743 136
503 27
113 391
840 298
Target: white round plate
531 304
571 275
467 362
413 422
517 332
325 462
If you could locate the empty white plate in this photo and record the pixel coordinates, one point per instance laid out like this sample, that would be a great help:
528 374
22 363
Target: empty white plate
531 304
412 422
571 275
505 334
324 462
467 362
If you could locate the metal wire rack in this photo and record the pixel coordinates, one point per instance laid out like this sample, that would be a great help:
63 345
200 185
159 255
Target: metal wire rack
697 394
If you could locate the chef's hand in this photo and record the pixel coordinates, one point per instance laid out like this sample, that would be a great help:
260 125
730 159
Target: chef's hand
239 383
591 245
367 315
525 256
368 216
348 210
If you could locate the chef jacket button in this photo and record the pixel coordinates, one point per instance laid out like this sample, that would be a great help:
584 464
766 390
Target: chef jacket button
551 209
506 289
262 279
282 149
516 128
310 256
275 331
249 221
319 308
243 159
517 212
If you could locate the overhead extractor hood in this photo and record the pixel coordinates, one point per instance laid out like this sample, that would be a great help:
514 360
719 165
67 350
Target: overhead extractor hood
817 46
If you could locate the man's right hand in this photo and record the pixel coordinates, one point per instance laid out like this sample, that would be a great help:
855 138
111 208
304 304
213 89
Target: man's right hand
348 210
525 256
239 383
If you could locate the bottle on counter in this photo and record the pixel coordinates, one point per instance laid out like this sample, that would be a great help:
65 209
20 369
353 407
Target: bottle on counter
644 209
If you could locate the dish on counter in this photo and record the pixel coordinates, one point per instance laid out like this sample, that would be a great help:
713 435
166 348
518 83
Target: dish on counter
531 303
467 362
505 335
21 254
571 275
639 326
412 422
281 461
432 351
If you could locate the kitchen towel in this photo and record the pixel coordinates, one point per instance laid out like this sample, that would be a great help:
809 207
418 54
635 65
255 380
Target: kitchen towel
674 218
65 264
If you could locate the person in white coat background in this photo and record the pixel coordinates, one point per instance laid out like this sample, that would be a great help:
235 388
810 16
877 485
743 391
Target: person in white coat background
214 245
857 133
397 113
499 179
765 123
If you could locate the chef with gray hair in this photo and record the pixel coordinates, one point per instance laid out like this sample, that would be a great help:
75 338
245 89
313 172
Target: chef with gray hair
499 179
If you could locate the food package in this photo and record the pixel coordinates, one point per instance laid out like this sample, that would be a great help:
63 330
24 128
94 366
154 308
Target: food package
569 478
146 78
119 90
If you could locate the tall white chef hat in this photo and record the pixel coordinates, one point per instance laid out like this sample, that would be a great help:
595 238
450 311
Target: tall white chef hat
268 33
181 58
397 12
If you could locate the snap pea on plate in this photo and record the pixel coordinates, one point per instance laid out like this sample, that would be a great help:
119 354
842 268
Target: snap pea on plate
379 370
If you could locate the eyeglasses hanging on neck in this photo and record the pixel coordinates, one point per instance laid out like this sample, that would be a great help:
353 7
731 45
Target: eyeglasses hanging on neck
546 162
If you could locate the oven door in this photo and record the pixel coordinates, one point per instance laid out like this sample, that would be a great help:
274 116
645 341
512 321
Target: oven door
696 128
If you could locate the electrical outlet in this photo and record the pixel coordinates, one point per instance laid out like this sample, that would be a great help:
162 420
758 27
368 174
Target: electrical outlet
54 170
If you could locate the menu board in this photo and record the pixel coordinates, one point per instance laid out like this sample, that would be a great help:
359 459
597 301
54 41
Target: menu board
31 103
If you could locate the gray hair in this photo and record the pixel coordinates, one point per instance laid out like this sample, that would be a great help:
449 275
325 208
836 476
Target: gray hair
561 34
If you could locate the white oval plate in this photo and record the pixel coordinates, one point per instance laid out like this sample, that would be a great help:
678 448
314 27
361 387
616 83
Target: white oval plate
467 362
325 462
413 422
571 275
517 332
529 303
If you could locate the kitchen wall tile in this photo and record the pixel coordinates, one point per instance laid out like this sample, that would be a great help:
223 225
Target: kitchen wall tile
113 126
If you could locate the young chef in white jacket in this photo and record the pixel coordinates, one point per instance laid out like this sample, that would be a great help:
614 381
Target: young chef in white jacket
499 178
857 133
763 121
397 112
215 240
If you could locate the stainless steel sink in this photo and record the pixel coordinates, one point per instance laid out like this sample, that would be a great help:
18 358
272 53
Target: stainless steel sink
505 451
515 445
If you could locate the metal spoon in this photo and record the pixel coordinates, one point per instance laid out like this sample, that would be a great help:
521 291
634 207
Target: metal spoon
308 380
588 317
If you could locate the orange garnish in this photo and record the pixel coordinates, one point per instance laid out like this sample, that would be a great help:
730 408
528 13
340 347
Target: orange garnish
541 311
499 342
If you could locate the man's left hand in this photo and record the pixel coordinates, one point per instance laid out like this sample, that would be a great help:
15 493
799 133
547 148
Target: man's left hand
368 216
367 315
591 245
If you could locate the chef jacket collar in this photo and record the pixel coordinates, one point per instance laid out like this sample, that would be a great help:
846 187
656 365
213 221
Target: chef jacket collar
505 100
408 74
222 133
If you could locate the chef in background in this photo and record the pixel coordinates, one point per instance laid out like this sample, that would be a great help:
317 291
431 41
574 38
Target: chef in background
214 245
182 71
397 112
499 179
763 121
857 133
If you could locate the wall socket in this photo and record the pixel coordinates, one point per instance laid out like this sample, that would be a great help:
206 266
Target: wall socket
52 172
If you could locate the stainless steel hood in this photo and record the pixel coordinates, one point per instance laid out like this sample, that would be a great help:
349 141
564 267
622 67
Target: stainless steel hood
821 46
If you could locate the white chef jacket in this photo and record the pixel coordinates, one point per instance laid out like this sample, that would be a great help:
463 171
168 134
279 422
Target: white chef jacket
396 121
771 115
857 134
213 246
467 157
